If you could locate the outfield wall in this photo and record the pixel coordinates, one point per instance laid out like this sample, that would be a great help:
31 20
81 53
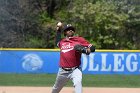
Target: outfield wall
46 61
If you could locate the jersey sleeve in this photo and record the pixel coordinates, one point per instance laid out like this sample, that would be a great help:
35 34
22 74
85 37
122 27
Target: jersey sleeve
84 42
58 44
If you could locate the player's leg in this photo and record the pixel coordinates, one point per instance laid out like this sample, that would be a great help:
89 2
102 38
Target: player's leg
77 80
60 81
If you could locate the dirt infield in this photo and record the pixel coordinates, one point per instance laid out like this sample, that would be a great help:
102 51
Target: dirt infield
19 89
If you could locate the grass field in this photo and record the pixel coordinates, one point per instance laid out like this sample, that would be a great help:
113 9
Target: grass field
132 81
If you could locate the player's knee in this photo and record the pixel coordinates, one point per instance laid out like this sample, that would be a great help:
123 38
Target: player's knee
77 83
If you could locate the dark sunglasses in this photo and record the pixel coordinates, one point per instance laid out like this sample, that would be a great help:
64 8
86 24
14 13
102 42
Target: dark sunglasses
70 29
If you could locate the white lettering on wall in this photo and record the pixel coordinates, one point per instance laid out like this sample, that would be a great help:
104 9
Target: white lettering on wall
91 63
116 62
129 61
85 62
118 66
104 61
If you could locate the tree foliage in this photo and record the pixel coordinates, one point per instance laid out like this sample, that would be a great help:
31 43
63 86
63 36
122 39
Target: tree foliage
104 23
107 24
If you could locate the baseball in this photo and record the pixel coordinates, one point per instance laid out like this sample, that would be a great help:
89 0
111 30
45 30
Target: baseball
59 24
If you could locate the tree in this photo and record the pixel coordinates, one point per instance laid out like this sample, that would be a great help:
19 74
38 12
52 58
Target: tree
104 22
108 24
11 20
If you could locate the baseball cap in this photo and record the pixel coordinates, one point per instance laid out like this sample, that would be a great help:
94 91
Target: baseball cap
68 27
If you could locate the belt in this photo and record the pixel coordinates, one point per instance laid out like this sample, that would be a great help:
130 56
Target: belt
69 69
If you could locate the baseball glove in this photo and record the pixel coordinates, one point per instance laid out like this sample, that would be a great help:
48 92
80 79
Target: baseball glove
81 49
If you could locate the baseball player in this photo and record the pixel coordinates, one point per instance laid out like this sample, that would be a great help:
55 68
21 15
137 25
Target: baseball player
71 48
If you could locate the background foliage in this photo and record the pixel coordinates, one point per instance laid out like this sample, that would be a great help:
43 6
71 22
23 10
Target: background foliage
107 24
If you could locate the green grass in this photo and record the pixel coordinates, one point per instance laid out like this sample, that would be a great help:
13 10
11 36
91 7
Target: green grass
111 80
88 80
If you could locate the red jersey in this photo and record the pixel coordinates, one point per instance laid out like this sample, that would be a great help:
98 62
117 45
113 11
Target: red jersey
68 56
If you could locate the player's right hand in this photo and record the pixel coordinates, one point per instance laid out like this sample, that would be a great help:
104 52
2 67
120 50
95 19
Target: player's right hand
59 26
